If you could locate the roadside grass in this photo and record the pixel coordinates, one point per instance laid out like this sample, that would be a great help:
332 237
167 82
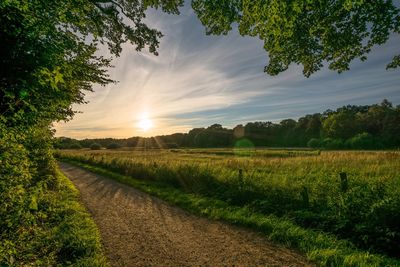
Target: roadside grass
61 232
77 235
319 247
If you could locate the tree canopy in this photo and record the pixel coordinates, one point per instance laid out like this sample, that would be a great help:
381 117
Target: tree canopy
48 51
310 33
48 61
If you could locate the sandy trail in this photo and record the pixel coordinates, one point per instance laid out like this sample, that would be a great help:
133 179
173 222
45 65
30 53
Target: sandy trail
140 230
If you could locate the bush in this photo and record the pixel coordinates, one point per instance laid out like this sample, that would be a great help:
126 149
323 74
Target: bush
66 143
332 143
113 146
171 145
37 205
75 146
314 143
15 177
362 141
95 146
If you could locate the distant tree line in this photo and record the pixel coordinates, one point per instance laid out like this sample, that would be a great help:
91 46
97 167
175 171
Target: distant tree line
349 127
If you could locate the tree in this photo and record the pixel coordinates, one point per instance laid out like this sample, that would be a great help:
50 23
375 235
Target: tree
287 135
308 33
342 125
213 136
47 62
47 54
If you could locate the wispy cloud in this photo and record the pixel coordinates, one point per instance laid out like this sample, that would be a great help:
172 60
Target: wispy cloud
198 80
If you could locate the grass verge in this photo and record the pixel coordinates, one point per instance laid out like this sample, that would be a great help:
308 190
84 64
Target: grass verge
77 234
60 232
319 247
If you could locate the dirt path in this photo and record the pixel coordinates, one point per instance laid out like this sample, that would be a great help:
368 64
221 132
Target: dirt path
141 230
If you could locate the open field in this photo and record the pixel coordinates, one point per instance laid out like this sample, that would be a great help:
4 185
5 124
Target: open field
353 195
138 229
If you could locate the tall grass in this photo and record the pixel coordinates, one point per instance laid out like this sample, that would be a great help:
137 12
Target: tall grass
63 234
301 186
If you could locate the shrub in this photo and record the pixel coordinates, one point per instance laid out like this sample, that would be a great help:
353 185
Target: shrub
314 143
36 205
113 146
362 141
95 146
332 143
171 145
75 146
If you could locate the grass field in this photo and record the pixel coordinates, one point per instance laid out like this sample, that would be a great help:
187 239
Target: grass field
351 195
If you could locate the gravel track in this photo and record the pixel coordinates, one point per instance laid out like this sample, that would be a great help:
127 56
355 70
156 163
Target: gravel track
140 230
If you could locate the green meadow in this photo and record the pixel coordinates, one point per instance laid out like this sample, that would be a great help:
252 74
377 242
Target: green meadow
337 207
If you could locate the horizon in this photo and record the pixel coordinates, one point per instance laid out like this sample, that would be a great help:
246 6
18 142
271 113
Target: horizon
199 80
227 127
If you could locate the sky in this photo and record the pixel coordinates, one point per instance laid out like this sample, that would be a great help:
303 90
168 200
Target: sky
198 80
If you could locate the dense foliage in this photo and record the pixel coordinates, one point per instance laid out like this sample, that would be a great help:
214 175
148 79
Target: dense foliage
309 33
48 50
349 127
47 61
306 187
41 220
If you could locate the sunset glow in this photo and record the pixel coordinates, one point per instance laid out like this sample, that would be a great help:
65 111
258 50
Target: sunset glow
145 123
199 80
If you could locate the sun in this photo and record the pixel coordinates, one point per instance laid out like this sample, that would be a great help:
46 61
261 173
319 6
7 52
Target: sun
145 124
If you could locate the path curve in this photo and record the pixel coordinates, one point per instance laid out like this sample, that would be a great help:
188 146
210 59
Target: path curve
140 230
